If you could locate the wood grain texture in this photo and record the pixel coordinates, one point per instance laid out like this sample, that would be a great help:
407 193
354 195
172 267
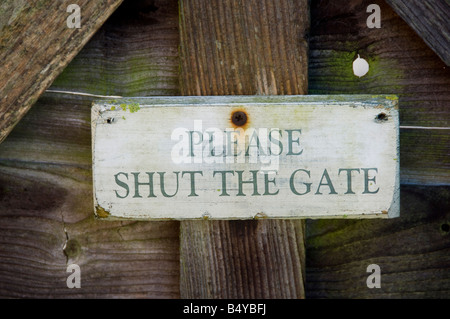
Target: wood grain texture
231 48
134 55
46 201
412 251
430 20
242 259
46 190
243 48
400 63
36 45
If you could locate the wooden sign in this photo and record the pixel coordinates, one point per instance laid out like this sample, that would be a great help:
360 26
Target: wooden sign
245 157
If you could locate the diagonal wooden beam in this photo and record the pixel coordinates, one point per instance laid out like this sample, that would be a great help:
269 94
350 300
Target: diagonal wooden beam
430 19
247 47
36 44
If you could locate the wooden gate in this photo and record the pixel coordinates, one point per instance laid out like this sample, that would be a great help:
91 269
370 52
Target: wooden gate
170 48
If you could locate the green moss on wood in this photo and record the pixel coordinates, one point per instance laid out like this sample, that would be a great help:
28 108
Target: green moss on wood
130 77
334 74
131 107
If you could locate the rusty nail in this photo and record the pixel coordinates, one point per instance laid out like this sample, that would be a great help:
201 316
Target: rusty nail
239 118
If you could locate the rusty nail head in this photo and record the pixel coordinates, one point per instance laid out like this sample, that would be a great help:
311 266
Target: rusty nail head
239 118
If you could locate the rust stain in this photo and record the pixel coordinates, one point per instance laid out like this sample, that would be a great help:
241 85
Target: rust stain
101 212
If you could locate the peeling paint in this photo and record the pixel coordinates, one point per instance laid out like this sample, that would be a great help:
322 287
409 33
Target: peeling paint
101 212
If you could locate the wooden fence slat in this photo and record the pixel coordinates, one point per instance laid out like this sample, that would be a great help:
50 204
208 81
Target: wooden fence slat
45 180
233 48
412 250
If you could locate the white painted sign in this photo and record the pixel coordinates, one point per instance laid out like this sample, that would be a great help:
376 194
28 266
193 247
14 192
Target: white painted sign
245 157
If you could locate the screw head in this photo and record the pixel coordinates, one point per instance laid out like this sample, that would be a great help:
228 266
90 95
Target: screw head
239 118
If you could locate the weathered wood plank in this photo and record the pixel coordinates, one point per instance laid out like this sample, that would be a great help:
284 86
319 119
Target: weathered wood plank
243 48
134 55
35 46
46 205
400 63
47 224
257 259
430 20
412 251
46 216
45 163
230 48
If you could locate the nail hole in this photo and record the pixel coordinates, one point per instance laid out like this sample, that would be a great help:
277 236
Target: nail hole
381 117
109 120
445 228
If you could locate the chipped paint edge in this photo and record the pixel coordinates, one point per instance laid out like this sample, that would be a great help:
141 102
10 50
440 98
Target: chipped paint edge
394 210
387 101
96 110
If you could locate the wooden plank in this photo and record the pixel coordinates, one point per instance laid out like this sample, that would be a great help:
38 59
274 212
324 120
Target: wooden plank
400 63
46 217
430 20
47 221
293 157
257 259
243 48
47 224
413 251
134 55
35 46
231 48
